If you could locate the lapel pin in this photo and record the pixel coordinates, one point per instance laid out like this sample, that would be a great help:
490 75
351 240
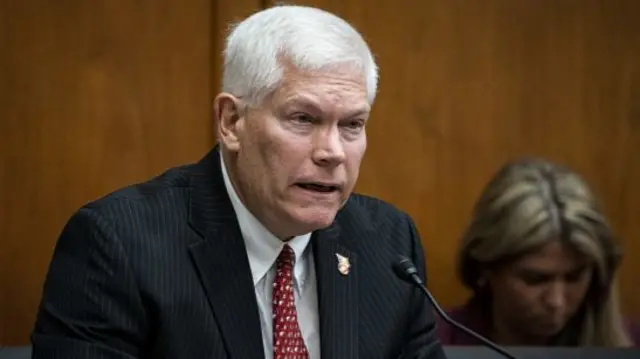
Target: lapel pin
343 264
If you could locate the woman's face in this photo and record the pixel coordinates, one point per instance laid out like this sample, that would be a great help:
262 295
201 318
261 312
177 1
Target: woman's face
536 295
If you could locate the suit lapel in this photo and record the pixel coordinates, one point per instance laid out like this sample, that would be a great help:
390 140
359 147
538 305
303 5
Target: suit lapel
337 295
222 262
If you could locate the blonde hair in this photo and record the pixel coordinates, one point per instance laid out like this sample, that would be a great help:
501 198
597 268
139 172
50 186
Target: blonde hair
529 203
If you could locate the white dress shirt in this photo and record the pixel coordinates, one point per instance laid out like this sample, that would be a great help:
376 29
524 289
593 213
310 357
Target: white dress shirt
263 249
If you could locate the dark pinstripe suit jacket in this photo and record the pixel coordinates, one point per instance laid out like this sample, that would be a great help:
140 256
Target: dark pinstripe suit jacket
159 270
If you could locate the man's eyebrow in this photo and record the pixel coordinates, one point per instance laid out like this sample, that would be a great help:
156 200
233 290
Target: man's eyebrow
303 102
308 104
360 116
363 111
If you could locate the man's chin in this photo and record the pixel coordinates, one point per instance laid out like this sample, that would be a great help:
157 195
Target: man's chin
313 220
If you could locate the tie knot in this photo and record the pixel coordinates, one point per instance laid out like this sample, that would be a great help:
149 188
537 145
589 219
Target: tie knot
287 257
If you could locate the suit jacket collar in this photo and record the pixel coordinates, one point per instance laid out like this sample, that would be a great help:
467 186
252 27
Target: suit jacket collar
222 262
263 248
338 290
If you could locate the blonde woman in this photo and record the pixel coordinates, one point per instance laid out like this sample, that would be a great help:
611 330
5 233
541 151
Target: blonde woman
540 259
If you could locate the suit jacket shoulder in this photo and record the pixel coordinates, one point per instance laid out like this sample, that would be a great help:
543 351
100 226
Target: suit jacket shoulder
376 211
373 224
122 273
145 196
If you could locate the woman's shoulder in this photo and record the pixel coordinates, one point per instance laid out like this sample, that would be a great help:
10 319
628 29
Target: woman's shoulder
467 315
633 328
445 329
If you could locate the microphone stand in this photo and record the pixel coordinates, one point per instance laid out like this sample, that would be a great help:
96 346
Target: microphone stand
406 270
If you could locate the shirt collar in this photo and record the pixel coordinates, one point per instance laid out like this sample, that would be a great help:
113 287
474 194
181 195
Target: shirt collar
262 246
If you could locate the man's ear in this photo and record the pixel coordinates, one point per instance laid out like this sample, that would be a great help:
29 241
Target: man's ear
229 116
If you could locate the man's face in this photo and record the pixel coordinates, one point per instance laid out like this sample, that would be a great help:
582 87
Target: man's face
298 154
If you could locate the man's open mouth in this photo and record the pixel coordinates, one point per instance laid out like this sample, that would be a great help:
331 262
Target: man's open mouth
317 187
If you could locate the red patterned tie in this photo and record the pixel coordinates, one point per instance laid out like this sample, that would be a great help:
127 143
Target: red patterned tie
287 337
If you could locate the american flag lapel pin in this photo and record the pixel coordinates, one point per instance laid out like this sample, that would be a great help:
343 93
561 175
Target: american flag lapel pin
343 264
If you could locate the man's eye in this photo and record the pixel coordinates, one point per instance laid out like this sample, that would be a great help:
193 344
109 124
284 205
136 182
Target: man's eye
354 124
303 118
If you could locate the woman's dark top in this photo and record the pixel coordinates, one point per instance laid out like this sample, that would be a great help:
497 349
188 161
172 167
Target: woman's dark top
473 317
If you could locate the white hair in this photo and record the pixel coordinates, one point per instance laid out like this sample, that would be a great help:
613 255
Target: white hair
310 39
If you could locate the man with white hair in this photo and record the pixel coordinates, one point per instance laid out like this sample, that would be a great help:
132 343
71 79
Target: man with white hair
260 250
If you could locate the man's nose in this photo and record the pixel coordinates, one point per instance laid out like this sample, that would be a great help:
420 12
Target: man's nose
328 148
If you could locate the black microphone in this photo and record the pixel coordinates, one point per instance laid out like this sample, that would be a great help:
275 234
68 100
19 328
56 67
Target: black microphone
407 271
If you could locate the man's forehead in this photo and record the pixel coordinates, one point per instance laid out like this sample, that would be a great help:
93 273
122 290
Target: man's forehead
348 74
318 90
310 100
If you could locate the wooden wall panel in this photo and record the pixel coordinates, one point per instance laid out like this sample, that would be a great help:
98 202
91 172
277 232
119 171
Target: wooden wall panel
94 95
226 13
466 85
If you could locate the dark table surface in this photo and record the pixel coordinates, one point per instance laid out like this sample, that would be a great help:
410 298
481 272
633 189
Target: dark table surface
460 353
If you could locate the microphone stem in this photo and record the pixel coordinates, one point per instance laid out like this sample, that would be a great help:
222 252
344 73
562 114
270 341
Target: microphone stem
444 316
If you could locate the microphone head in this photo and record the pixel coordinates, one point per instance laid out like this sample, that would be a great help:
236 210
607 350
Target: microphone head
405 269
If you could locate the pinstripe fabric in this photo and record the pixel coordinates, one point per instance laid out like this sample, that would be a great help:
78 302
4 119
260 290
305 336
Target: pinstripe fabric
159 270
